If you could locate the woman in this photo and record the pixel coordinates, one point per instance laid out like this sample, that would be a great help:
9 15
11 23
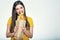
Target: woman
18 7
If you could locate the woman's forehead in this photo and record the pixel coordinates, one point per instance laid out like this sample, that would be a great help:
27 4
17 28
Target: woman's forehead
19 5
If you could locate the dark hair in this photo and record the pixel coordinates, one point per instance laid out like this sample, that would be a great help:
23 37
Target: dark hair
14 16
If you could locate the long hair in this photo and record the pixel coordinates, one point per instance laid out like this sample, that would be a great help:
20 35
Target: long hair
14 16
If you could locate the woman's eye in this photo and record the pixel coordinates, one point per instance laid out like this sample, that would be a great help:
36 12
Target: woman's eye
20 7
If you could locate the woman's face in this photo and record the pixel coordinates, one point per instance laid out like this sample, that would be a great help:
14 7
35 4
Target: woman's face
19 9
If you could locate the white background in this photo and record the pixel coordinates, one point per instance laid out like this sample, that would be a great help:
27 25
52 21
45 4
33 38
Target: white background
45 15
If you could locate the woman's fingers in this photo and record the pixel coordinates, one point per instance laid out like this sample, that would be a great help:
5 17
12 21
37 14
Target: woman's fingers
15 29
23 28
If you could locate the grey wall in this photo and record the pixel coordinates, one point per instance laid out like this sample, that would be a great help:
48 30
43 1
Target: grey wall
45 14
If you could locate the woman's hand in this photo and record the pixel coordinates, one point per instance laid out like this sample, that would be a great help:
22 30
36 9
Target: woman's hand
15 29
29 33
8 33
23 29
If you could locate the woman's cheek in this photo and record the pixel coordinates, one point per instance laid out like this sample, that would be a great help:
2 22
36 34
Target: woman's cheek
17 12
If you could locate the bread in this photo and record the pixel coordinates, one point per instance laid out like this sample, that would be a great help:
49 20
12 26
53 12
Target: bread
20 22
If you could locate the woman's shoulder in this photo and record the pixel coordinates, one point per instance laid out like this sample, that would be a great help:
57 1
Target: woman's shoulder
30 21
29 18
9 20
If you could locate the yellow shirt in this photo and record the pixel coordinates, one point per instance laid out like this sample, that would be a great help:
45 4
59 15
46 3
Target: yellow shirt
30 22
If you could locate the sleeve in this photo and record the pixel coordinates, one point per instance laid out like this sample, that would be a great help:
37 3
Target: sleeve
9 21
30 22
